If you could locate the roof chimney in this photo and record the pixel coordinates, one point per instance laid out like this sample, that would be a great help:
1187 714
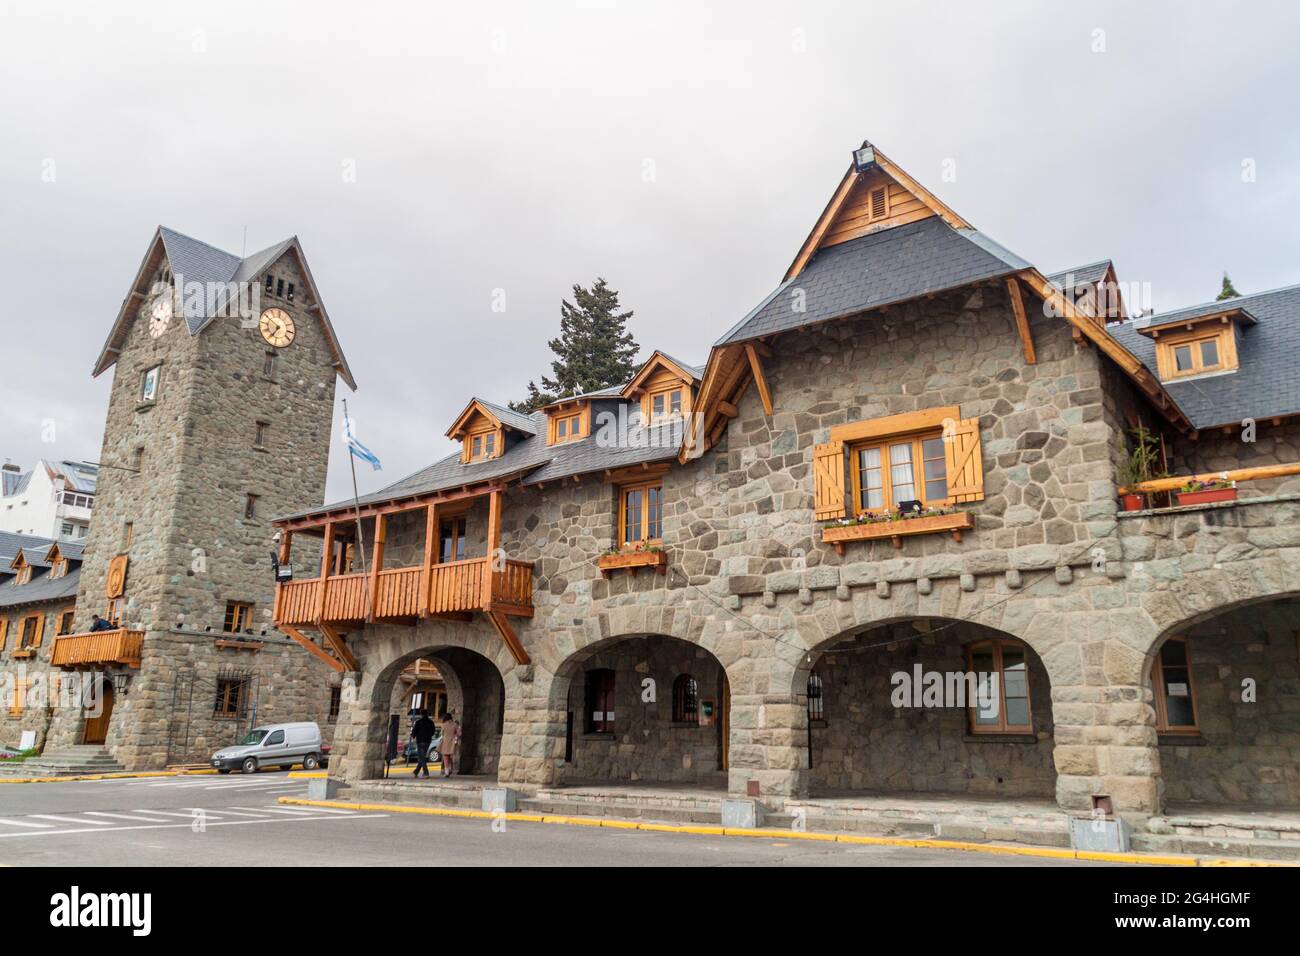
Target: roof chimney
11 467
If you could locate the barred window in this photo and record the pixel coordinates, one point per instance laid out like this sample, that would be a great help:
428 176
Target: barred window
686 700
816 700
232 694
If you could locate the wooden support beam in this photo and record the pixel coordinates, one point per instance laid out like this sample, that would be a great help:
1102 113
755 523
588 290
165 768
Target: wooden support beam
509 636
376 563
339 646
326 559
756 367
728 409
493 544
314 648
430 555
1022 320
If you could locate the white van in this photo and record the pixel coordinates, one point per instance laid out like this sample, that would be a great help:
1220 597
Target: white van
272 745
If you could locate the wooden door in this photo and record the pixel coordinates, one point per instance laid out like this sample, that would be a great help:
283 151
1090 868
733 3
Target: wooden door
97 727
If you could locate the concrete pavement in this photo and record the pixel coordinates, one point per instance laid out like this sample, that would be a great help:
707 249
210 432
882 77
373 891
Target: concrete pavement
235 821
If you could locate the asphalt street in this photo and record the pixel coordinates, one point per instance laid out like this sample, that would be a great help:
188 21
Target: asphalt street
235 821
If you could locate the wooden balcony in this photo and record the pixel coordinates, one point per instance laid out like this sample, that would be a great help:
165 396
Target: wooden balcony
458 587
98 648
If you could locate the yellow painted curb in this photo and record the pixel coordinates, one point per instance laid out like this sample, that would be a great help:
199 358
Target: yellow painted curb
309 774
76 778
770 833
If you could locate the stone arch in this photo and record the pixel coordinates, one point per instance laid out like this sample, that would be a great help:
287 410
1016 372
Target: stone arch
361 733
935 751
641 742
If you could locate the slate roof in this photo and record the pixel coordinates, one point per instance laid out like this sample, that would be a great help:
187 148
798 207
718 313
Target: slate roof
1090 274
41 587
519 421
890 266
1266 384
78 476
535 461
14 482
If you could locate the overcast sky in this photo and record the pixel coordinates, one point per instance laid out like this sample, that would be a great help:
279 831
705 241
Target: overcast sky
682 151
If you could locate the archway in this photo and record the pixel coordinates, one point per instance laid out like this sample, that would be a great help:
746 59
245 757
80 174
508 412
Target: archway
448 679
1226 706
907 707
643 709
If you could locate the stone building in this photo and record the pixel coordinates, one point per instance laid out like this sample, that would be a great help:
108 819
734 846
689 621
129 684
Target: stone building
918 455
219 417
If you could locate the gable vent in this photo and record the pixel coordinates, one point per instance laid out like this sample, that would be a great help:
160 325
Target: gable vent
878 203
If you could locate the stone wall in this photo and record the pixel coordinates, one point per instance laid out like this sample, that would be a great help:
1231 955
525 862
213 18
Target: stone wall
1246 752
646 743
1219 451
865 743
35 670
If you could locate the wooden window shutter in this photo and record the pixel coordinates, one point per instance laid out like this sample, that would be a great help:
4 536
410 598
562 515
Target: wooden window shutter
40 629
828 480
965 464
4 631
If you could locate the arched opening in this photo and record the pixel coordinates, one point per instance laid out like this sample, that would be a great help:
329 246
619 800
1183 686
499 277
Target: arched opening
1226 699
925 708
447 680
650 709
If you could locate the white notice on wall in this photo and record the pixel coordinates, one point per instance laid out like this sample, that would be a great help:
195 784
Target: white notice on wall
1177 690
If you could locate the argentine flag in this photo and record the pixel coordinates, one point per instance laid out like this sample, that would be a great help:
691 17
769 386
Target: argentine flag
355 447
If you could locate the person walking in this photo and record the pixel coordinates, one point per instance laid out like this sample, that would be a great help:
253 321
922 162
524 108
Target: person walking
423 734
450 743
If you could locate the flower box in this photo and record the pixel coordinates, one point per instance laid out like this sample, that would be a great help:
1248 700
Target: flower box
1132 502
632 560
895 531
1206 496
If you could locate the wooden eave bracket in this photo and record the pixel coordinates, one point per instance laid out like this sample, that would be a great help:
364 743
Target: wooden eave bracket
339 646
508 635
760 381
1022 320
313 647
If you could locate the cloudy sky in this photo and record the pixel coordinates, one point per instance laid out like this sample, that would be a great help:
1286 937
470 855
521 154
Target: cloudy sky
682 151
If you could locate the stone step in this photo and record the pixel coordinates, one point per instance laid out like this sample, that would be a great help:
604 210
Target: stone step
1279 850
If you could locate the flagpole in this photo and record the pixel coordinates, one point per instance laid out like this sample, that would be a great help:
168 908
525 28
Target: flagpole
356 500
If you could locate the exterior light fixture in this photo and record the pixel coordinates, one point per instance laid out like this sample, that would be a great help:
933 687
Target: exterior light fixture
864 157
121 684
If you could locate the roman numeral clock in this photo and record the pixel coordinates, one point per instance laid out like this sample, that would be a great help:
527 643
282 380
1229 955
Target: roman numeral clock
277 328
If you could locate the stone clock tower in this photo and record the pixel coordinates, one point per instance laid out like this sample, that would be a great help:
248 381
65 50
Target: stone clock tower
224 371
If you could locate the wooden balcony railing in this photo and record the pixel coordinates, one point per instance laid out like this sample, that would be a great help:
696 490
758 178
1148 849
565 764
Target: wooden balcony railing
121 646
454 587
1258 473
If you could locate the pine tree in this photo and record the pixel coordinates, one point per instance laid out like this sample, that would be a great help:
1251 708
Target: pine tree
593 351
1229 291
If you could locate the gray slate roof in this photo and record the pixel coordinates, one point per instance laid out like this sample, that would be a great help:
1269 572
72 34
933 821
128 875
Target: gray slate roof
890 266
1266 384
1090 274
536 461
14 482
196 261
519 421
41 587
10 543
78 476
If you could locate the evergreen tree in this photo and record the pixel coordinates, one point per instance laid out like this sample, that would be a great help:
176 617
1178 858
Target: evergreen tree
1229 291
593 351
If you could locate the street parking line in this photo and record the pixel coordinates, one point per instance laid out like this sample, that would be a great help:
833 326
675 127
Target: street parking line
172 813
327 810
124 816
295 813
51 816
23 823
226 811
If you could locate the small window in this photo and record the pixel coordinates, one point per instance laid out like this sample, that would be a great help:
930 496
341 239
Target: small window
65 530
1172 687
24 574
1007 710
279 288
259 438
568 428
336 702
1196 352
451 543
128 529
599 687
149 383
250 506
239 617
641 513
816 699
270 284
137 459
476 447
65 621
887 475
30 635
489 444
268 365
113 612
231 697
686 700
665 404
289 293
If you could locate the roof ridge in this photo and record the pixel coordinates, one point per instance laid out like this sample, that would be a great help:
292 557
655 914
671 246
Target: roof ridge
1233 303
187 236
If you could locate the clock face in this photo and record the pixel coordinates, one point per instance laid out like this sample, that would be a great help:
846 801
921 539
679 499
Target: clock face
160 316
276 326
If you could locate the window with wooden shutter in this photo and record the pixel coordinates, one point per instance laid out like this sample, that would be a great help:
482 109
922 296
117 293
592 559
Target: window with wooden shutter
4 632
40 631
828 480
965 463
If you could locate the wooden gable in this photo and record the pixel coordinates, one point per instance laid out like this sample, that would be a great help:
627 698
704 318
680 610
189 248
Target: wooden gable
662 383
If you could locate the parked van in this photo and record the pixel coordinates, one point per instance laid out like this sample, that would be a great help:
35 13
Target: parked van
272 745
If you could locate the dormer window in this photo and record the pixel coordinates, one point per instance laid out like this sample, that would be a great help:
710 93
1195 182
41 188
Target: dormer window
665 388
1204 345
483 446
567 422
665 404
24 574
481 430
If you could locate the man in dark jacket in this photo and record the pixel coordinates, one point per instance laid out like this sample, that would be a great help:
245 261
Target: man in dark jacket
99 624
423 732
